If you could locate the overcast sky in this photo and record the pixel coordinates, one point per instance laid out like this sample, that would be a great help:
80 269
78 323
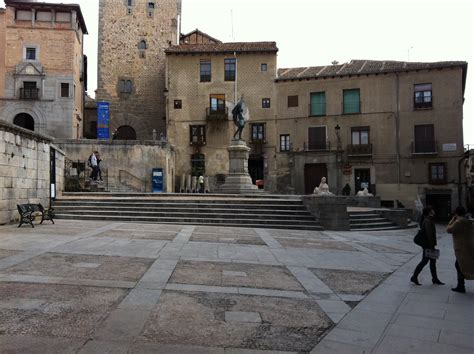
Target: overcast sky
316 32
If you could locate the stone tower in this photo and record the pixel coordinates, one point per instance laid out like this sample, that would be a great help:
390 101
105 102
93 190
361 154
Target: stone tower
133 36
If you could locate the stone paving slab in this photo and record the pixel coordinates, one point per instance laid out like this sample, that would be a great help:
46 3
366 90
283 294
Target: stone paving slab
30 344
63 311
235 238
83 267
200 318
140 234
256 276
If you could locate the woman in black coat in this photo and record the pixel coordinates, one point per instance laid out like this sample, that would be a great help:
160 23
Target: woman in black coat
427 224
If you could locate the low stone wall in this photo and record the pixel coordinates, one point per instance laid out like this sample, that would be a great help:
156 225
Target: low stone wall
25 169
127 160
401 217
365 202
330 211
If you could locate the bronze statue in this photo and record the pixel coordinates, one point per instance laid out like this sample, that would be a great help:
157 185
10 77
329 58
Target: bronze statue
239 113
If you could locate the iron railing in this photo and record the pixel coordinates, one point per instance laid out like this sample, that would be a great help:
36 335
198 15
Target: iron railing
29 93
217 114
359 150
317 146
424 147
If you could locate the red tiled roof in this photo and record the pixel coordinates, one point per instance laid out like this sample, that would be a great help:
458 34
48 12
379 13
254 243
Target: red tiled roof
359 67
239 47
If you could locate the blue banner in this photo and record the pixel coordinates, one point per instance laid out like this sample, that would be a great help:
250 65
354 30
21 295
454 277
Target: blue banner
103 116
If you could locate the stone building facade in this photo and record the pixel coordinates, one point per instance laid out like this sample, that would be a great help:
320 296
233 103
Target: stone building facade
42 76
133 35
204 82
393 127
29 165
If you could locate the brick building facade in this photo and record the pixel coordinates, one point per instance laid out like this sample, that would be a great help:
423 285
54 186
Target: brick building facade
133 35
42 77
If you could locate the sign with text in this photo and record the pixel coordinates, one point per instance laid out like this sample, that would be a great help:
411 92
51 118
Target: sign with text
103 117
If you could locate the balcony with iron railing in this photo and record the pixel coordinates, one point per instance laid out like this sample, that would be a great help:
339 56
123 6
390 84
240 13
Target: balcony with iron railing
359 150
317 146
29 93
424 147
317 109
421 104
219 114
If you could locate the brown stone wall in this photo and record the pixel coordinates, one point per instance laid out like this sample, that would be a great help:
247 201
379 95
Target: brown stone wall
2 50
24 170
119 58
185 85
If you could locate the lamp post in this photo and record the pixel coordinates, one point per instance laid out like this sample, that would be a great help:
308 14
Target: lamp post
337 130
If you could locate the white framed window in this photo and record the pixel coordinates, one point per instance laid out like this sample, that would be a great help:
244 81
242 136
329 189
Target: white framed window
31 52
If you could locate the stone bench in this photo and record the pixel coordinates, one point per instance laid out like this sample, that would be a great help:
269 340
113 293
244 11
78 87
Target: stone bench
28 213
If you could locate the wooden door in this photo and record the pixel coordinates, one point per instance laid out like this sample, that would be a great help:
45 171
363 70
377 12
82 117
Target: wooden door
361 179
313 172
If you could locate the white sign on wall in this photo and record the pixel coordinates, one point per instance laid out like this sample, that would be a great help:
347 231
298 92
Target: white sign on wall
450 147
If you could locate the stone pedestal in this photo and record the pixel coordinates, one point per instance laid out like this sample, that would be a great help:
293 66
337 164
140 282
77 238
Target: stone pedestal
330 211
238 181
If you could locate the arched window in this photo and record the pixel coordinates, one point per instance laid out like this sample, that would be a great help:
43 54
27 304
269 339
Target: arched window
142 45
125 132
24 120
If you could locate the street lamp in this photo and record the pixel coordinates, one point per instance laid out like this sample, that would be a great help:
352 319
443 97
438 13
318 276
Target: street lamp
338 137
337 130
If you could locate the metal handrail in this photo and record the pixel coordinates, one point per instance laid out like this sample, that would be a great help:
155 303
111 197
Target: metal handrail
125 177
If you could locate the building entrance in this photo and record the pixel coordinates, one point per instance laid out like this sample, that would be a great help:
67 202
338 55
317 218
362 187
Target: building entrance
313 172
24 120
361 179
256 168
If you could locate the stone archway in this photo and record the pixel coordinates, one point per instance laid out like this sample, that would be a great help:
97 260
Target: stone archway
24 120
125 132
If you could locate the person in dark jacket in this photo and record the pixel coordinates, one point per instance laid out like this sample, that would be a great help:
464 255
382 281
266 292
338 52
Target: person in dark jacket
428 226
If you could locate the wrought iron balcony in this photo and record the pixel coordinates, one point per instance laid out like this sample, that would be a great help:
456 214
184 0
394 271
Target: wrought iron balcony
424 147
29 93
216 114
317 146
359 150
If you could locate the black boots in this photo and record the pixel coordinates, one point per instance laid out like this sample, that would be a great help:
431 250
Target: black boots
414 280
459 289
437 282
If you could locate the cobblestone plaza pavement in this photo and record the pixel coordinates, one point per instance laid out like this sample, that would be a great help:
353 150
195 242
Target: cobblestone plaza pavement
101 287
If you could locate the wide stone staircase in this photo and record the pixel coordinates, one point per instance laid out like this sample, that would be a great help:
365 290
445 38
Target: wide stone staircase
369 220
261 211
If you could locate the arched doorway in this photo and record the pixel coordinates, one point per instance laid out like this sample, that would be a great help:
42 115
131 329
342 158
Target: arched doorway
24 120
125 132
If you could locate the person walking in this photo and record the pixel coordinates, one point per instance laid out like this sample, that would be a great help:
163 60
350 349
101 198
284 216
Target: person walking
427 225
94 166
201 183
462 230
99 172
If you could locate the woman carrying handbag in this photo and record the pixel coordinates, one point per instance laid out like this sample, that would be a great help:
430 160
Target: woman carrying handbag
427 226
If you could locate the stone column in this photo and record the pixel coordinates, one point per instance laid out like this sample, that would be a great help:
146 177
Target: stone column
238 181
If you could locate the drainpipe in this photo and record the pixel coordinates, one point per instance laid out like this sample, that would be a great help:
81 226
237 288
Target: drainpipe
235 81
397 128
466 155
